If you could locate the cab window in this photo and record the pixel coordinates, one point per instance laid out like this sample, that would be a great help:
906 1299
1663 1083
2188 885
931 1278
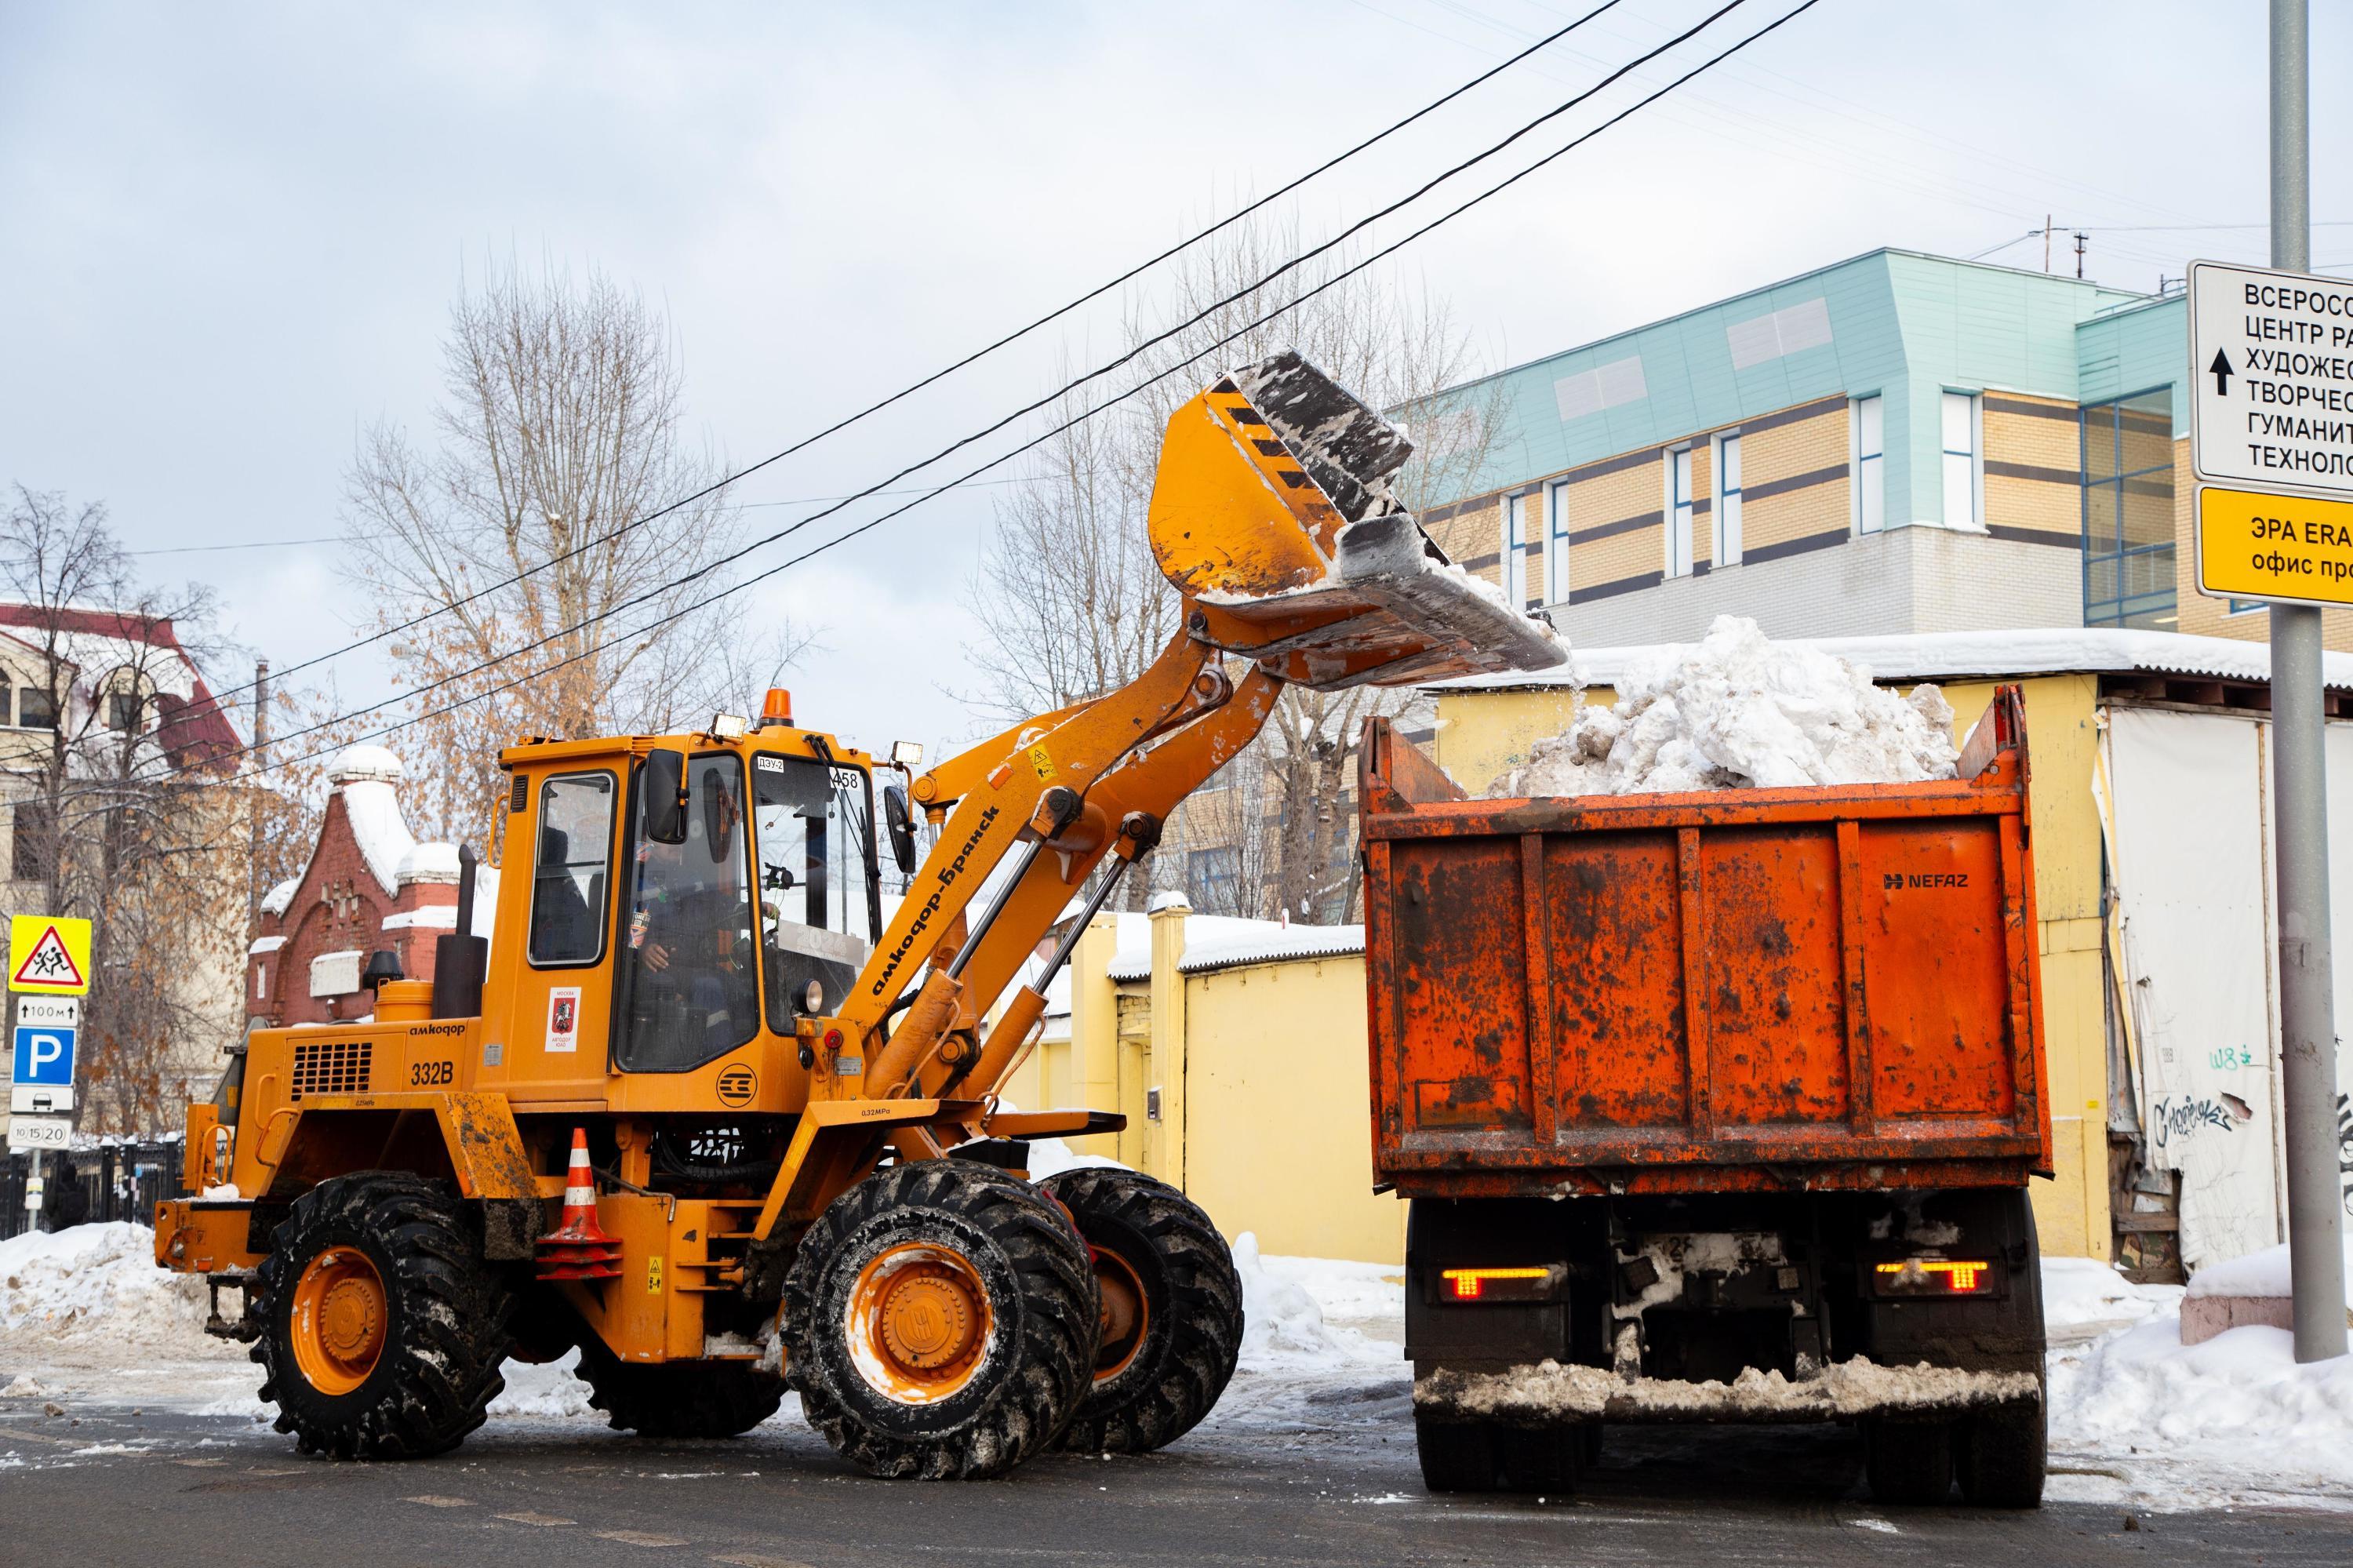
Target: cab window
687 990
568 875
816 899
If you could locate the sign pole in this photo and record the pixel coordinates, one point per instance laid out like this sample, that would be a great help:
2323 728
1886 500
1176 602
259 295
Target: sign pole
2307 1004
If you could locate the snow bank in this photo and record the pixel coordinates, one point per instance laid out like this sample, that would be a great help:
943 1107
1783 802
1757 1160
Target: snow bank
1281 1318
98 1283
2264 1273
1738 710
2082 1292
2235 1413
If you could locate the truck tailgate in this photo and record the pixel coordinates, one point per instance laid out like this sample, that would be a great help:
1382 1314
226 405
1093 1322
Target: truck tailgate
1728 990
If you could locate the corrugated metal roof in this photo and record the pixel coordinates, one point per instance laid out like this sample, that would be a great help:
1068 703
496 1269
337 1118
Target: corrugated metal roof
1227 951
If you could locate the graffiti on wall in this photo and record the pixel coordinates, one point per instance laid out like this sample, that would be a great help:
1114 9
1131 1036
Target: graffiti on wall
2345 1146
2181 1118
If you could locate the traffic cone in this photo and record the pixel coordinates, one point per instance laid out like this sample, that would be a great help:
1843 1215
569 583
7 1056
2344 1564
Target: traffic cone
579 1248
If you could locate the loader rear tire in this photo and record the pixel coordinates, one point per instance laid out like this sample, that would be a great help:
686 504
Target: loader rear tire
1172 1311
679 1399
939 1322
383 1328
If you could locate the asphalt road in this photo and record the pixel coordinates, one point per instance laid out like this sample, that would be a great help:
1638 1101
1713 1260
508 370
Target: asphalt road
108 1486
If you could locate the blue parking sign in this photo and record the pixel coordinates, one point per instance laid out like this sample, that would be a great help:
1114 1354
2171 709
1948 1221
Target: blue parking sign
45 1056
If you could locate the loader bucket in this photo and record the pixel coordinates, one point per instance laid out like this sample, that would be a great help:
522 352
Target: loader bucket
1272 511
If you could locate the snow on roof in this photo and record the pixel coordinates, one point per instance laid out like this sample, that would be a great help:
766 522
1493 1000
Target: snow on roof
1287 942
265 945
1957 655
377 826
281 897
1221 941
428 863
356 762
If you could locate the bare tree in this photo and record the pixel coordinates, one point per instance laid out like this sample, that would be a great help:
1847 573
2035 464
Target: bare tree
125 806
539 535
1073 603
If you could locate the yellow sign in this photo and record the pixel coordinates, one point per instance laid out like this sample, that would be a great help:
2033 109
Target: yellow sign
1043 763
2289 549
48 955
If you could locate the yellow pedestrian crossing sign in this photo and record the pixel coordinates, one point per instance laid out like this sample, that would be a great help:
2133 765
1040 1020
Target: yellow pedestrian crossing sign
48 955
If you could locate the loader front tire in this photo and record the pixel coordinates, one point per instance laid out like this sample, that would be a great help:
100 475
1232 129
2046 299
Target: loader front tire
679 1399
383 1328
1172 1311
939 1322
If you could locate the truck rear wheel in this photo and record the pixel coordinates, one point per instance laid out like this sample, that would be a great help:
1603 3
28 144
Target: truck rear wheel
940 1321
1171 1319
2001 1455
1908 1461
383 1328
679 1399
1483 1456
1456 1455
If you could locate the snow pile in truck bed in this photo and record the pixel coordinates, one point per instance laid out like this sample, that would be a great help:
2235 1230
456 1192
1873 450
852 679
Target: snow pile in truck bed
1736 710
97 1285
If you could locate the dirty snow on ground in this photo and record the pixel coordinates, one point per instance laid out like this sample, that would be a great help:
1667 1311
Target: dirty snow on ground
2135 1416
1735 710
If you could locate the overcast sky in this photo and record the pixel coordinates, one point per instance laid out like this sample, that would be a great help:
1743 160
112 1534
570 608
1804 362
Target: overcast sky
229 235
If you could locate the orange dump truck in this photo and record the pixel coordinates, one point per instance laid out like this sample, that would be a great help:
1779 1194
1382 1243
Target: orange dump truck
1715 1107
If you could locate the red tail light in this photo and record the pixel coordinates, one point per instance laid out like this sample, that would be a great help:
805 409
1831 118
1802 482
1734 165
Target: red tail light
1933 1276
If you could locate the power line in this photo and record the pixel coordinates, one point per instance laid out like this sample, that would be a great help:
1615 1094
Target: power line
729 559
908 391
849 534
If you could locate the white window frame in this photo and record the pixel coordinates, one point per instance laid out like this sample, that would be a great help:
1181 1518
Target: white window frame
1514 574
1869 468
1556 542
1723 549
1972 484
1680 500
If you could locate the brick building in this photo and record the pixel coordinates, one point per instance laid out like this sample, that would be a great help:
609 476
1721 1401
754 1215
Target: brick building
1896 443
369 886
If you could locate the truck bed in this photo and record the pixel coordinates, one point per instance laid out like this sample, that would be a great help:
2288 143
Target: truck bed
1724 991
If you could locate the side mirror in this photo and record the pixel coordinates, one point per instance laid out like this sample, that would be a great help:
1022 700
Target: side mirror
899 819
664 787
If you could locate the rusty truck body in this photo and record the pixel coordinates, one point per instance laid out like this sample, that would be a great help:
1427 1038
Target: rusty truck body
1716 1106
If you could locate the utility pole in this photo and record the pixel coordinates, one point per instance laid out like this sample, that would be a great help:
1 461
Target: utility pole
2080 237
2307 1004
253 808
2046 244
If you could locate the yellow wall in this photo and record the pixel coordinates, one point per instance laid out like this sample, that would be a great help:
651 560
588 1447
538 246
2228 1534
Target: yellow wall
1481 735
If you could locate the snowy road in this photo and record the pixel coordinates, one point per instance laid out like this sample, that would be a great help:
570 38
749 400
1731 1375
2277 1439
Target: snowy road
1338 1490
127 1436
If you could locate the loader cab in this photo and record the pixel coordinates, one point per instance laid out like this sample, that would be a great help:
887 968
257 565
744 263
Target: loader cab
751 899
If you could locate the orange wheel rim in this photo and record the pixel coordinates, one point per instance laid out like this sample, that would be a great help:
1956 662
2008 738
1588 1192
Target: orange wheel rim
918 1322
339 1319
1127 1313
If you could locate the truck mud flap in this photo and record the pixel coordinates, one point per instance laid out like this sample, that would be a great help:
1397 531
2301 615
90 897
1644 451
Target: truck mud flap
1548 1393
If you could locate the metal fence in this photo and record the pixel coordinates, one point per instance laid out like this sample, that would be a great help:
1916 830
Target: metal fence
114 1178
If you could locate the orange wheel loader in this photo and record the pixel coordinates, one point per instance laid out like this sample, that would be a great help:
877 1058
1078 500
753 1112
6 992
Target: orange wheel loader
704 1110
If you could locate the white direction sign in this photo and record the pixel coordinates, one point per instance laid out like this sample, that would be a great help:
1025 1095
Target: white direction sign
2272 373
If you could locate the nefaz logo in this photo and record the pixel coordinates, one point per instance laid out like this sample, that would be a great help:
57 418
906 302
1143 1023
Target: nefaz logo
948 874
1898 881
